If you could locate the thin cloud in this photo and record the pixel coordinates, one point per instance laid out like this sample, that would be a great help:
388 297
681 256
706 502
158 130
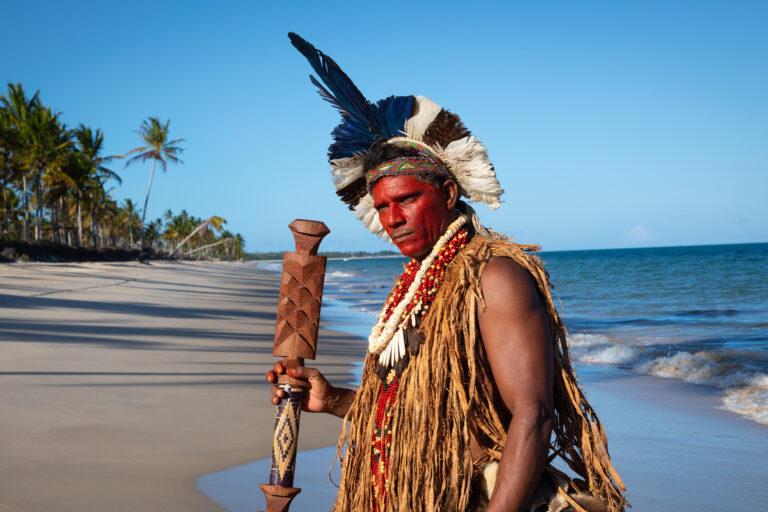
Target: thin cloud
640 235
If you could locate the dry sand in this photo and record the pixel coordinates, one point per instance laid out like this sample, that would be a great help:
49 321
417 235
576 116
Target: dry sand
120 383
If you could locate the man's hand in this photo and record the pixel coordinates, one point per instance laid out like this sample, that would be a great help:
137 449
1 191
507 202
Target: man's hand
322 397
515 332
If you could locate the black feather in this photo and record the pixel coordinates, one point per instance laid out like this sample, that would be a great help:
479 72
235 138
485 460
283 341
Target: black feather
363 123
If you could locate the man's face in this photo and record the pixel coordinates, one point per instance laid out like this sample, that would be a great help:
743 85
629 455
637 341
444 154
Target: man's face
414 214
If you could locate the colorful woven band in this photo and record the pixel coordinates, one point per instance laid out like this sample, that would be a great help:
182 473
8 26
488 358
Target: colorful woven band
426 163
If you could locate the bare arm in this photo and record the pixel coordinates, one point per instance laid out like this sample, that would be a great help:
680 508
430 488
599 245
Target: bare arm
516 338
322 397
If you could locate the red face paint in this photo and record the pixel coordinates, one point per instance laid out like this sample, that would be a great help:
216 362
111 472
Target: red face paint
413 213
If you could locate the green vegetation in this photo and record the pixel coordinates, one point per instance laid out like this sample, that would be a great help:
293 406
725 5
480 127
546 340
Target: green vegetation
56 187
251 256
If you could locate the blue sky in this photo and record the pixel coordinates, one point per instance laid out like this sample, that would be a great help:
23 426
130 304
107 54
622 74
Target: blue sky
611 124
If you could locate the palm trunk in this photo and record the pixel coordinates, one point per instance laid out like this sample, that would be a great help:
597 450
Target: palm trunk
62 221
79 220
39 206
67 221
146 201
55 223
5 207
25 231
90 224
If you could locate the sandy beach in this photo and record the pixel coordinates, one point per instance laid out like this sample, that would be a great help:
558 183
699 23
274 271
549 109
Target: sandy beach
121 383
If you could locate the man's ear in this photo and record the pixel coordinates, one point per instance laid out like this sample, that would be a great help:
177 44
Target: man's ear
451 191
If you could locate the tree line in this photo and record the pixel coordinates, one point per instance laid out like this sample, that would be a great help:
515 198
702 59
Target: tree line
57 182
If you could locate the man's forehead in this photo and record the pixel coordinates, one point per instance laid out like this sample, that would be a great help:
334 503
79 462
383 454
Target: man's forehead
392 187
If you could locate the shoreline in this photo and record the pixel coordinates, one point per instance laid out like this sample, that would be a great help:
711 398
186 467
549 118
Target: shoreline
121 383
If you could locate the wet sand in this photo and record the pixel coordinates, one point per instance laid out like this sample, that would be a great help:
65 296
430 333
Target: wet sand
121 383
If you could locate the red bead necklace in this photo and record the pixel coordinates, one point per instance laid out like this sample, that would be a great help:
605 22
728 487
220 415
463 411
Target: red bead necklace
434 276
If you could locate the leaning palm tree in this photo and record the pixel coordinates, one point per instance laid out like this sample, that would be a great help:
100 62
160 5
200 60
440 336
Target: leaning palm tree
156 147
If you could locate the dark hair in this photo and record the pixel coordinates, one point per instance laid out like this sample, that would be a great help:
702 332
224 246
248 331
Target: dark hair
382 152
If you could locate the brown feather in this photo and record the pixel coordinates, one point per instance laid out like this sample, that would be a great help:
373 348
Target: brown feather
353 193
446 128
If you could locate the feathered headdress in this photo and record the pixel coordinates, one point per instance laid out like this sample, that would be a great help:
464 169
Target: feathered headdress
413 117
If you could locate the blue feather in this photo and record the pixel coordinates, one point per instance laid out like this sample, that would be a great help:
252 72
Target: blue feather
363 123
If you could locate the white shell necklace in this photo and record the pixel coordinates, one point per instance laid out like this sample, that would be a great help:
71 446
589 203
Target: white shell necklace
387 337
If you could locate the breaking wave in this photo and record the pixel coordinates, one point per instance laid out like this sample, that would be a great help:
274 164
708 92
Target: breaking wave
746 391
338 274
598 349
272 266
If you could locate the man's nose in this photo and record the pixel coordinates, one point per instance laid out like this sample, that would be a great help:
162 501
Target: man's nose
394 217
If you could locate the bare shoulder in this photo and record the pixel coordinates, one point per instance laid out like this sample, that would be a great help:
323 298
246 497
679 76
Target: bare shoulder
506 283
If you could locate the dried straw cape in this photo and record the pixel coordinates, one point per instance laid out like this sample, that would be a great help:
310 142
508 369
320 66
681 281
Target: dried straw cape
442 402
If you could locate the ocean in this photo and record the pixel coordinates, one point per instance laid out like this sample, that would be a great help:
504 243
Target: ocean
698 314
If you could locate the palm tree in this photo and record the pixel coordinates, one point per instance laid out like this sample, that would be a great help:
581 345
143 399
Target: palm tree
156 147
153 232
89 146
79 173
129 217
46 140
17 107
6 165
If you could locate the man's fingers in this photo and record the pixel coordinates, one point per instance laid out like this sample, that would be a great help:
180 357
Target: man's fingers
304 372
276 370
277 394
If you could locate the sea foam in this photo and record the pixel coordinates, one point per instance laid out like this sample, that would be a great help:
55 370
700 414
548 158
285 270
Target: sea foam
590 348
746 391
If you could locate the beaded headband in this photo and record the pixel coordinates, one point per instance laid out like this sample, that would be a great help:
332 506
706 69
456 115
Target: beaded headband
426 163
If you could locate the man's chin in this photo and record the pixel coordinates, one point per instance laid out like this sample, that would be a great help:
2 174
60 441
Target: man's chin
411 250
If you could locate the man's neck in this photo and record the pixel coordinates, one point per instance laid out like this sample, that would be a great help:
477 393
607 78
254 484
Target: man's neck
452 216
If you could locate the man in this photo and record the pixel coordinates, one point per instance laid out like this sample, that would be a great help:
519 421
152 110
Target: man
467 373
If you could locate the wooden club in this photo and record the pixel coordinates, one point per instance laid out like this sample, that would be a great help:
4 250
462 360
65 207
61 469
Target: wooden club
298 317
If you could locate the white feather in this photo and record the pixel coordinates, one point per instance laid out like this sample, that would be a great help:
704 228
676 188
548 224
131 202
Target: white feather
347 170
424 112
468 160
368 215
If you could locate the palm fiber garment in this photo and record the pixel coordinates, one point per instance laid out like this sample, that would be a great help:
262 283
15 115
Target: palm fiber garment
439 404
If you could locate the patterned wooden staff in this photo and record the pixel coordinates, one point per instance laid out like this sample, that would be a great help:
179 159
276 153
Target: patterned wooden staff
298 316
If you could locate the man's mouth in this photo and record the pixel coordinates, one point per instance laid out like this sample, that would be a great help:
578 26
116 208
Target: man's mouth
398 236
